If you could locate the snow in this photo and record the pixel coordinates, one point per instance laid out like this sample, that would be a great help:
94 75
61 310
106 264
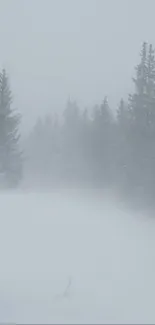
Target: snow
73 258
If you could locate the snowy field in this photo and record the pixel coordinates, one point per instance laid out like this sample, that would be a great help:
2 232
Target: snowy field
72 258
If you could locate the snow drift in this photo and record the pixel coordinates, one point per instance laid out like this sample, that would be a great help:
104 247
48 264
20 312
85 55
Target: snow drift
73 258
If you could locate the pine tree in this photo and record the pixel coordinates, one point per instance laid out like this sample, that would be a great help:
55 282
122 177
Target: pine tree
122 114
10 155
122 148
70 141
85 148
142 123
150 145
102 141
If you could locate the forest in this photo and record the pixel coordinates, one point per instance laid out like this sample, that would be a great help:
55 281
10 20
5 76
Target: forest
101 148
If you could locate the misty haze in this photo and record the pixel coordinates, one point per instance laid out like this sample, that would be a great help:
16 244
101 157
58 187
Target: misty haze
77 161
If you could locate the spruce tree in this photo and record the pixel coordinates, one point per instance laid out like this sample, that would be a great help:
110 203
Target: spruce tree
102 141
70 141
142 124
151 121
122 147
10 155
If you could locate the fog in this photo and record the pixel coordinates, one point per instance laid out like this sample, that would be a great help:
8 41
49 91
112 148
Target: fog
54 48
72 257
77 161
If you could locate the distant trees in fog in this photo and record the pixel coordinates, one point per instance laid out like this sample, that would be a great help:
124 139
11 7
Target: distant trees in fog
88 148
136 129
10 155
97 147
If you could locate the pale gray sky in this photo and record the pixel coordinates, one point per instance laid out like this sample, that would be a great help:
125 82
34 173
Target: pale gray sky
83 48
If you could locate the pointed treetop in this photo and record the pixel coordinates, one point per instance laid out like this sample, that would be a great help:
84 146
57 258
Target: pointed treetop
140 80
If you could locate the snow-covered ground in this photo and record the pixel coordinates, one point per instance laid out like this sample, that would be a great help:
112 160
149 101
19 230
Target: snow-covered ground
69 258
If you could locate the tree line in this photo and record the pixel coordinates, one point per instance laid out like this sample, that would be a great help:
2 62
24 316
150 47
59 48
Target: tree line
87 148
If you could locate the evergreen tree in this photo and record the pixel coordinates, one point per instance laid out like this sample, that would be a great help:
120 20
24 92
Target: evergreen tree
85 148
102 144
122 148
150 182
10 155
33 152
141 122
70 141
